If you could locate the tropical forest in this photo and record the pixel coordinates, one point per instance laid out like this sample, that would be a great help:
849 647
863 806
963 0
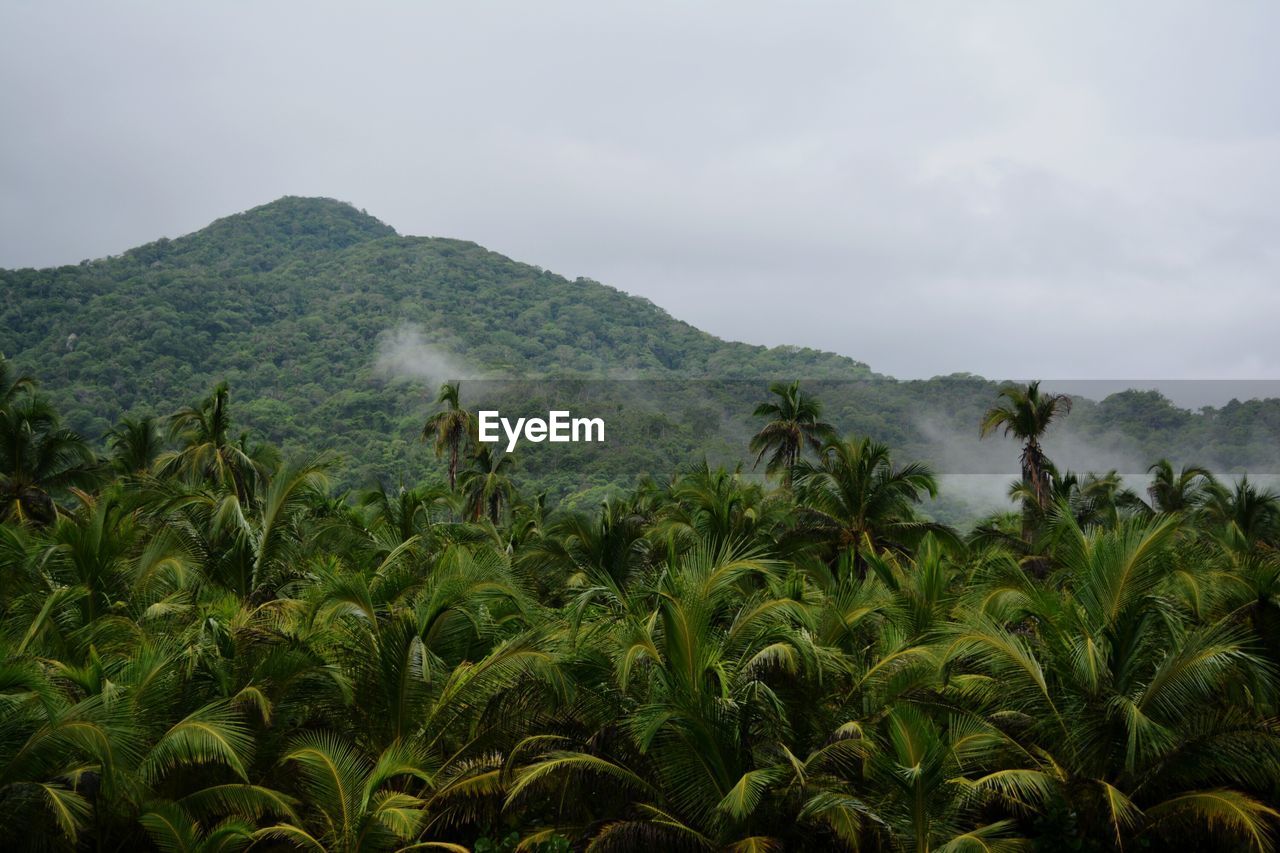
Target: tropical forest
211 644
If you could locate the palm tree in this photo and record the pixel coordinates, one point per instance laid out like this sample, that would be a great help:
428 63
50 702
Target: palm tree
136 444
208 450
405 513
486 485
793 424
1098 499
251 548
592 554
171 828
695 666
704 677
38 458
1246 516
450 428
929 770
719 506
1116 701
359 803
11 386
1026 414
856 502
1178 492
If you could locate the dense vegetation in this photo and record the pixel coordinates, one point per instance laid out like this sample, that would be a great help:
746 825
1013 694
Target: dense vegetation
290 302
206 648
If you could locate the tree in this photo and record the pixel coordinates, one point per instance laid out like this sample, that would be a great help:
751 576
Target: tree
136 444
1178 492
794 424
486 484
1246 516
451 428
695 666
356 802
38 458
1025 414
11 386
600 554
856 502
1115 698
207 450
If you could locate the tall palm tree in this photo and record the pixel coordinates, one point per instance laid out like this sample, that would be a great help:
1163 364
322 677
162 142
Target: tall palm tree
450 428
1025 414
794 423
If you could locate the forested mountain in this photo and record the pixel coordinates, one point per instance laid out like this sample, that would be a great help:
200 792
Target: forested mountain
334 332
288 302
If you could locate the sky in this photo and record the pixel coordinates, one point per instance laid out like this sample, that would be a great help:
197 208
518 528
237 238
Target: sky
1066 190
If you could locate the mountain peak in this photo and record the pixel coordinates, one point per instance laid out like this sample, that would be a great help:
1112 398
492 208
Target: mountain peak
263 237
305 222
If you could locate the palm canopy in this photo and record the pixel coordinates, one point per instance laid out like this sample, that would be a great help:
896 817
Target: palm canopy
1024 413
1249 515
855 501
38 458
1121 692
208 450
136 444
693 664
1179 491
794 424
486 484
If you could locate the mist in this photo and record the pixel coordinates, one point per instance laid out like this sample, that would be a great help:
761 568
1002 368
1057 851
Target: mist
406 353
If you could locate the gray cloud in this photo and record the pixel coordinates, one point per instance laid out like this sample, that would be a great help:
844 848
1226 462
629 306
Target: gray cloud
1065 190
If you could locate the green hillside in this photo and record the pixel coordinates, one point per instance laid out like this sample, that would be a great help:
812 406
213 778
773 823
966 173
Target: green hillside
288 302
334 331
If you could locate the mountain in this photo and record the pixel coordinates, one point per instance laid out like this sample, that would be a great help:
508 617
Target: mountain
333 332
290 302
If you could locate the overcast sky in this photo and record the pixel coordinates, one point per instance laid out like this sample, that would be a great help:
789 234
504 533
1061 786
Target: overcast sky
1061 190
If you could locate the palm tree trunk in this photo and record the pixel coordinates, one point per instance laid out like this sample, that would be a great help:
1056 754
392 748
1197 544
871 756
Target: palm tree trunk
1033 481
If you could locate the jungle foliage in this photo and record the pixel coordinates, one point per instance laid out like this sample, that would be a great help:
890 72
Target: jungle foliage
205 647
